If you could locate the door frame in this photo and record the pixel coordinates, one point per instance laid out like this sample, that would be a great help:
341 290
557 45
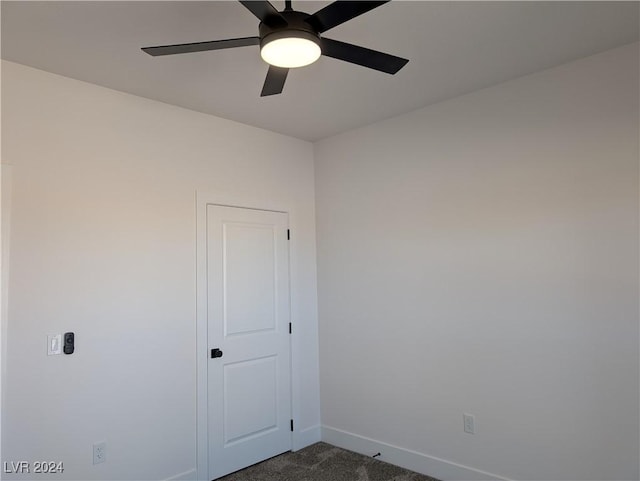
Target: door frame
5 237
204 199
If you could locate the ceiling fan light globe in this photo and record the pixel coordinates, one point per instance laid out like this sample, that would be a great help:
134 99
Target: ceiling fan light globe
290 52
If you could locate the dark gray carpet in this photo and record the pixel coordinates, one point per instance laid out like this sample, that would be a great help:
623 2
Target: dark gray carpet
323 462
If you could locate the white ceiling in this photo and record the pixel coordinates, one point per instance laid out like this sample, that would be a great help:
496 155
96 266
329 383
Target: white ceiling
453 47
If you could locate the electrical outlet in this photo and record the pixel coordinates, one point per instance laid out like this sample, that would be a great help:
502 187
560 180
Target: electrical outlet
99 452
469 423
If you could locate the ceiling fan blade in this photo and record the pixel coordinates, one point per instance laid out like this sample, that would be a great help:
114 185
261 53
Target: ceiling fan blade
362 56
201 46
339 12
266 12
274 83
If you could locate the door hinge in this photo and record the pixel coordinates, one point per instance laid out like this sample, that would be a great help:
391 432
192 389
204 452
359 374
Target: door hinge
292 425
289 328
288 234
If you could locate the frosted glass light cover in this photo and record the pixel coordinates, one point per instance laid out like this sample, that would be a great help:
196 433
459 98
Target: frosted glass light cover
290 52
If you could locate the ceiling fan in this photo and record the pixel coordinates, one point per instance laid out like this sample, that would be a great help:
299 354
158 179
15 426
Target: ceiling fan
290 39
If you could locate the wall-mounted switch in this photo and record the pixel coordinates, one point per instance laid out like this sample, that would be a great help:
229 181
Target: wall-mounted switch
69 342
54 345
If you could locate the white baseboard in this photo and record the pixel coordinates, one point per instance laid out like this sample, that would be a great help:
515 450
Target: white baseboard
306 437
405 458
186 476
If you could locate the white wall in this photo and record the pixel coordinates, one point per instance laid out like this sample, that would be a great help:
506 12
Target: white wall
103 244
481 255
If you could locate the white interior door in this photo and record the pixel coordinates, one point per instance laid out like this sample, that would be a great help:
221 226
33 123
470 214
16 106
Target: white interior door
249 386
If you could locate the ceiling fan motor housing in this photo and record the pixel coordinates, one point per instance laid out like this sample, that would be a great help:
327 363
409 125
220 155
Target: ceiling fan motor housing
296 27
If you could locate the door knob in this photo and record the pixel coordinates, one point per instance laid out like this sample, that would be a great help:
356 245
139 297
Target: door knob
216 353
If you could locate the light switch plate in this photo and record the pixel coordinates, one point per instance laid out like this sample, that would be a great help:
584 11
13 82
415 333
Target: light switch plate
54 345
